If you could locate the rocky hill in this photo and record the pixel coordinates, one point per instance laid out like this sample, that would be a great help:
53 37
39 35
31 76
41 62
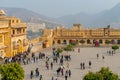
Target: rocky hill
30 16
111 16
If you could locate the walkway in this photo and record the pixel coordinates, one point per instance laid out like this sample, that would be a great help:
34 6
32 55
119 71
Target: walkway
85 55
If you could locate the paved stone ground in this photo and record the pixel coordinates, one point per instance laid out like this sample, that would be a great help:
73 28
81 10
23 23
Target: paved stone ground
86 54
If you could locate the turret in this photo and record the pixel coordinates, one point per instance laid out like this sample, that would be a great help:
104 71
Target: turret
2 13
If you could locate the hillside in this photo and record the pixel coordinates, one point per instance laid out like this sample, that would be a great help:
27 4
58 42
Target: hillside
30 16
111 16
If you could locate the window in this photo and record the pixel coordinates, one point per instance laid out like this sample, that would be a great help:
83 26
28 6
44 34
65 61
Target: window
13 31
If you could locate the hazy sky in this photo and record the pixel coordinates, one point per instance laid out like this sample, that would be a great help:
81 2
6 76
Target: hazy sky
57 8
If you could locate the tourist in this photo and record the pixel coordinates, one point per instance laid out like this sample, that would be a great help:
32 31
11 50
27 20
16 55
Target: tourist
62 71
31 74
90 64
66 75
56 79
58 71
97 56
39 55
69 72
103 57
37 72
41 77
52 78
51 64
61 61
78 50
34 59
112 53
81 65
47 65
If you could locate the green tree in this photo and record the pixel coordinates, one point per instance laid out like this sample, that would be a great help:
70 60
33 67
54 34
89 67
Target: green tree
107 74
59 50
68 48
74 43
103 74
115 47
11 71
107 42
82 42
92 76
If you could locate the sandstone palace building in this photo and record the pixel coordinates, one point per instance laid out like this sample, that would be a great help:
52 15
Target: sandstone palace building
12 35
77 33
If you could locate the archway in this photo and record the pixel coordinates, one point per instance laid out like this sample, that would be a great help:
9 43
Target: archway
64 42
118 41
94 41
70 41
59 42
53 42
88 41
100 41
112 41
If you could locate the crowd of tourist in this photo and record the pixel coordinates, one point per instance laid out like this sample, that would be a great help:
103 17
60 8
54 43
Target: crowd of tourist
62 61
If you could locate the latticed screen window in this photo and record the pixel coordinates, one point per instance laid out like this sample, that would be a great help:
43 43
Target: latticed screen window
1 39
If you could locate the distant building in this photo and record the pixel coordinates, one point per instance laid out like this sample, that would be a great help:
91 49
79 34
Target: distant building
96 36
12 35
35 27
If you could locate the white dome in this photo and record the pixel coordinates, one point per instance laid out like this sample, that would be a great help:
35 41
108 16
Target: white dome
2 12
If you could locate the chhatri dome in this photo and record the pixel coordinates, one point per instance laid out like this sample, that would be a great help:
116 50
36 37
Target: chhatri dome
2 13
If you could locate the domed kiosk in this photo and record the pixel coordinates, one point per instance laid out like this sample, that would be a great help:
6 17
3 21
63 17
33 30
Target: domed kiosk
2 13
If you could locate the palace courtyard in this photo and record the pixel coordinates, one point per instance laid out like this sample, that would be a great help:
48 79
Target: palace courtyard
86 54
